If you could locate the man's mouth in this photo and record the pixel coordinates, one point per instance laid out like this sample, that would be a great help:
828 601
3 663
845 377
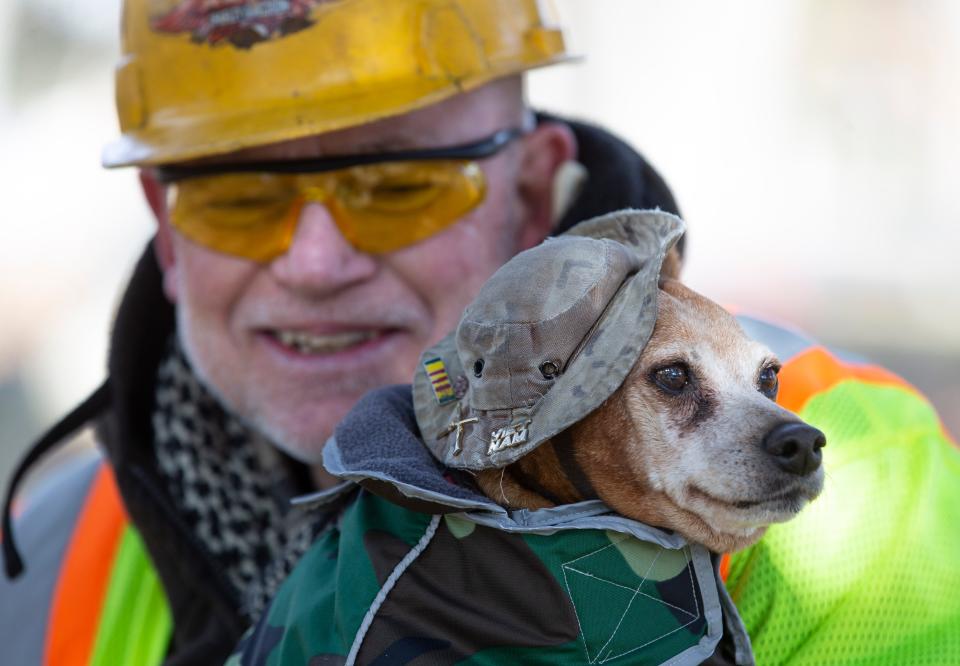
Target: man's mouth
311 344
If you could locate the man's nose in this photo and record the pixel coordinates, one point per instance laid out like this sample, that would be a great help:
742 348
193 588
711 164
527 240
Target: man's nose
319 258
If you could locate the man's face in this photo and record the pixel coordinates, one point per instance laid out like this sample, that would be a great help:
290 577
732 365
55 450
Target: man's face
290 345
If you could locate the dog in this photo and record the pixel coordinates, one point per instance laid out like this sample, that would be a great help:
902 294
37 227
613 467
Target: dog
693 441
581 370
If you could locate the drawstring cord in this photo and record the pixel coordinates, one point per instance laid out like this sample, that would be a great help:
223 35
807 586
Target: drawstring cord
93 405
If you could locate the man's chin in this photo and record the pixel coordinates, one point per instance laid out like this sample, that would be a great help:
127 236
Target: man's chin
297 412
308 454
303 443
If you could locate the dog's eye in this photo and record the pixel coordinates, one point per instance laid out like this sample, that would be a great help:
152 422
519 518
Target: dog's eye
672 378
768 384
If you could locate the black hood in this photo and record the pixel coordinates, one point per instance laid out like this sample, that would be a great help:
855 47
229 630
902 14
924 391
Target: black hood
617 177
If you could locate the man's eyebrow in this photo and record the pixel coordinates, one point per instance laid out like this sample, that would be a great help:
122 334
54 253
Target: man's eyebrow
397 141
384 146
394 144
312 151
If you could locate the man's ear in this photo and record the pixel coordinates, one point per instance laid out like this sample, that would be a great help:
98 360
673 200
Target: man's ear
545 150
156 195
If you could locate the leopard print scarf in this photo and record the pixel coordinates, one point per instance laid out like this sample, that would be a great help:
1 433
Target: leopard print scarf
229 484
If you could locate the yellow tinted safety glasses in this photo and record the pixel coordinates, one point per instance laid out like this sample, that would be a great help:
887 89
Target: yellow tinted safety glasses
378 208
382 204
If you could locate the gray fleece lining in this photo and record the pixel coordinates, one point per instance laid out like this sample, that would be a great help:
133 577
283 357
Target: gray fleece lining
379 439
574 517
333 461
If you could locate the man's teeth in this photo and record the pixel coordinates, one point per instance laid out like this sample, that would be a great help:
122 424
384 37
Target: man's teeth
308 343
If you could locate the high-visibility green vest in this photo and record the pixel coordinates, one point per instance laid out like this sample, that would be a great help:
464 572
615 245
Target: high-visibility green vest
89 594
869 573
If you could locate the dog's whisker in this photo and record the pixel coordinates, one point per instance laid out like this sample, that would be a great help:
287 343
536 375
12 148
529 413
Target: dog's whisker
503 495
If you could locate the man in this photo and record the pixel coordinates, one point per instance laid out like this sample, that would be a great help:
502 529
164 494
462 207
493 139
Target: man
329 198
279 333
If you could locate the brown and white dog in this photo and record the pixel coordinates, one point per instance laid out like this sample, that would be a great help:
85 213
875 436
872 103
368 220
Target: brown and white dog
692 441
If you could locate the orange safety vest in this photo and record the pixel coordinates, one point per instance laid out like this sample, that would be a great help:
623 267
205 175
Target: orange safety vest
808 370
103 601
869 573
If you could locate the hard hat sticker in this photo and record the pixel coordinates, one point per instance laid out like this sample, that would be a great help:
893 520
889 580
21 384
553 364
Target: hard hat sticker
241 23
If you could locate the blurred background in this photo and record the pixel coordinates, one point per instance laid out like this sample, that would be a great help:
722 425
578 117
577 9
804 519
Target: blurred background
813 145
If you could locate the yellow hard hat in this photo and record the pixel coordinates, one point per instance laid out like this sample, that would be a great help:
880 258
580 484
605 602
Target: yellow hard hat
207 77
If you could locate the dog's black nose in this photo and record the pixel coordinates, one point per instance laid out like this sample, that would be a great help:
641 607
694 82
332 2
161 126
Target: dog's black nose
795 447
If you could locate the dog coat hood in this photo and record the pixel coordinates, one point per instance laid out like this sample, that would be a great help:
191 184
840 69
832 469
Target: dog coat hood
550 336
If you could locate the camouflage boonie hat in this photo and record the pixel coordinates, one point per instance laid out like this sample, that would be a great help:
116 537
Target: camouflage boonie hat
551 335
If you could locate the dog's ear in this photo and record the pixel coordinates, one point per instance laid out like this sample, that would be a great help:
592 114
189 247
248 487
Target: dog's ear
672 264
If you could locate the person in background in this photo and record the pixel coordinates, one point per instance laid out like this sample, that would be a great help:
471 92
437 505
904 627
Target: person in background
333 180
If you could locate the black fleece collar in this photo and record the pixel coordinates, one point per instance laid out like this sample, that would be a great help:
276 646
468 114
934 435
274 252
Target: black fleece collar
378 446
